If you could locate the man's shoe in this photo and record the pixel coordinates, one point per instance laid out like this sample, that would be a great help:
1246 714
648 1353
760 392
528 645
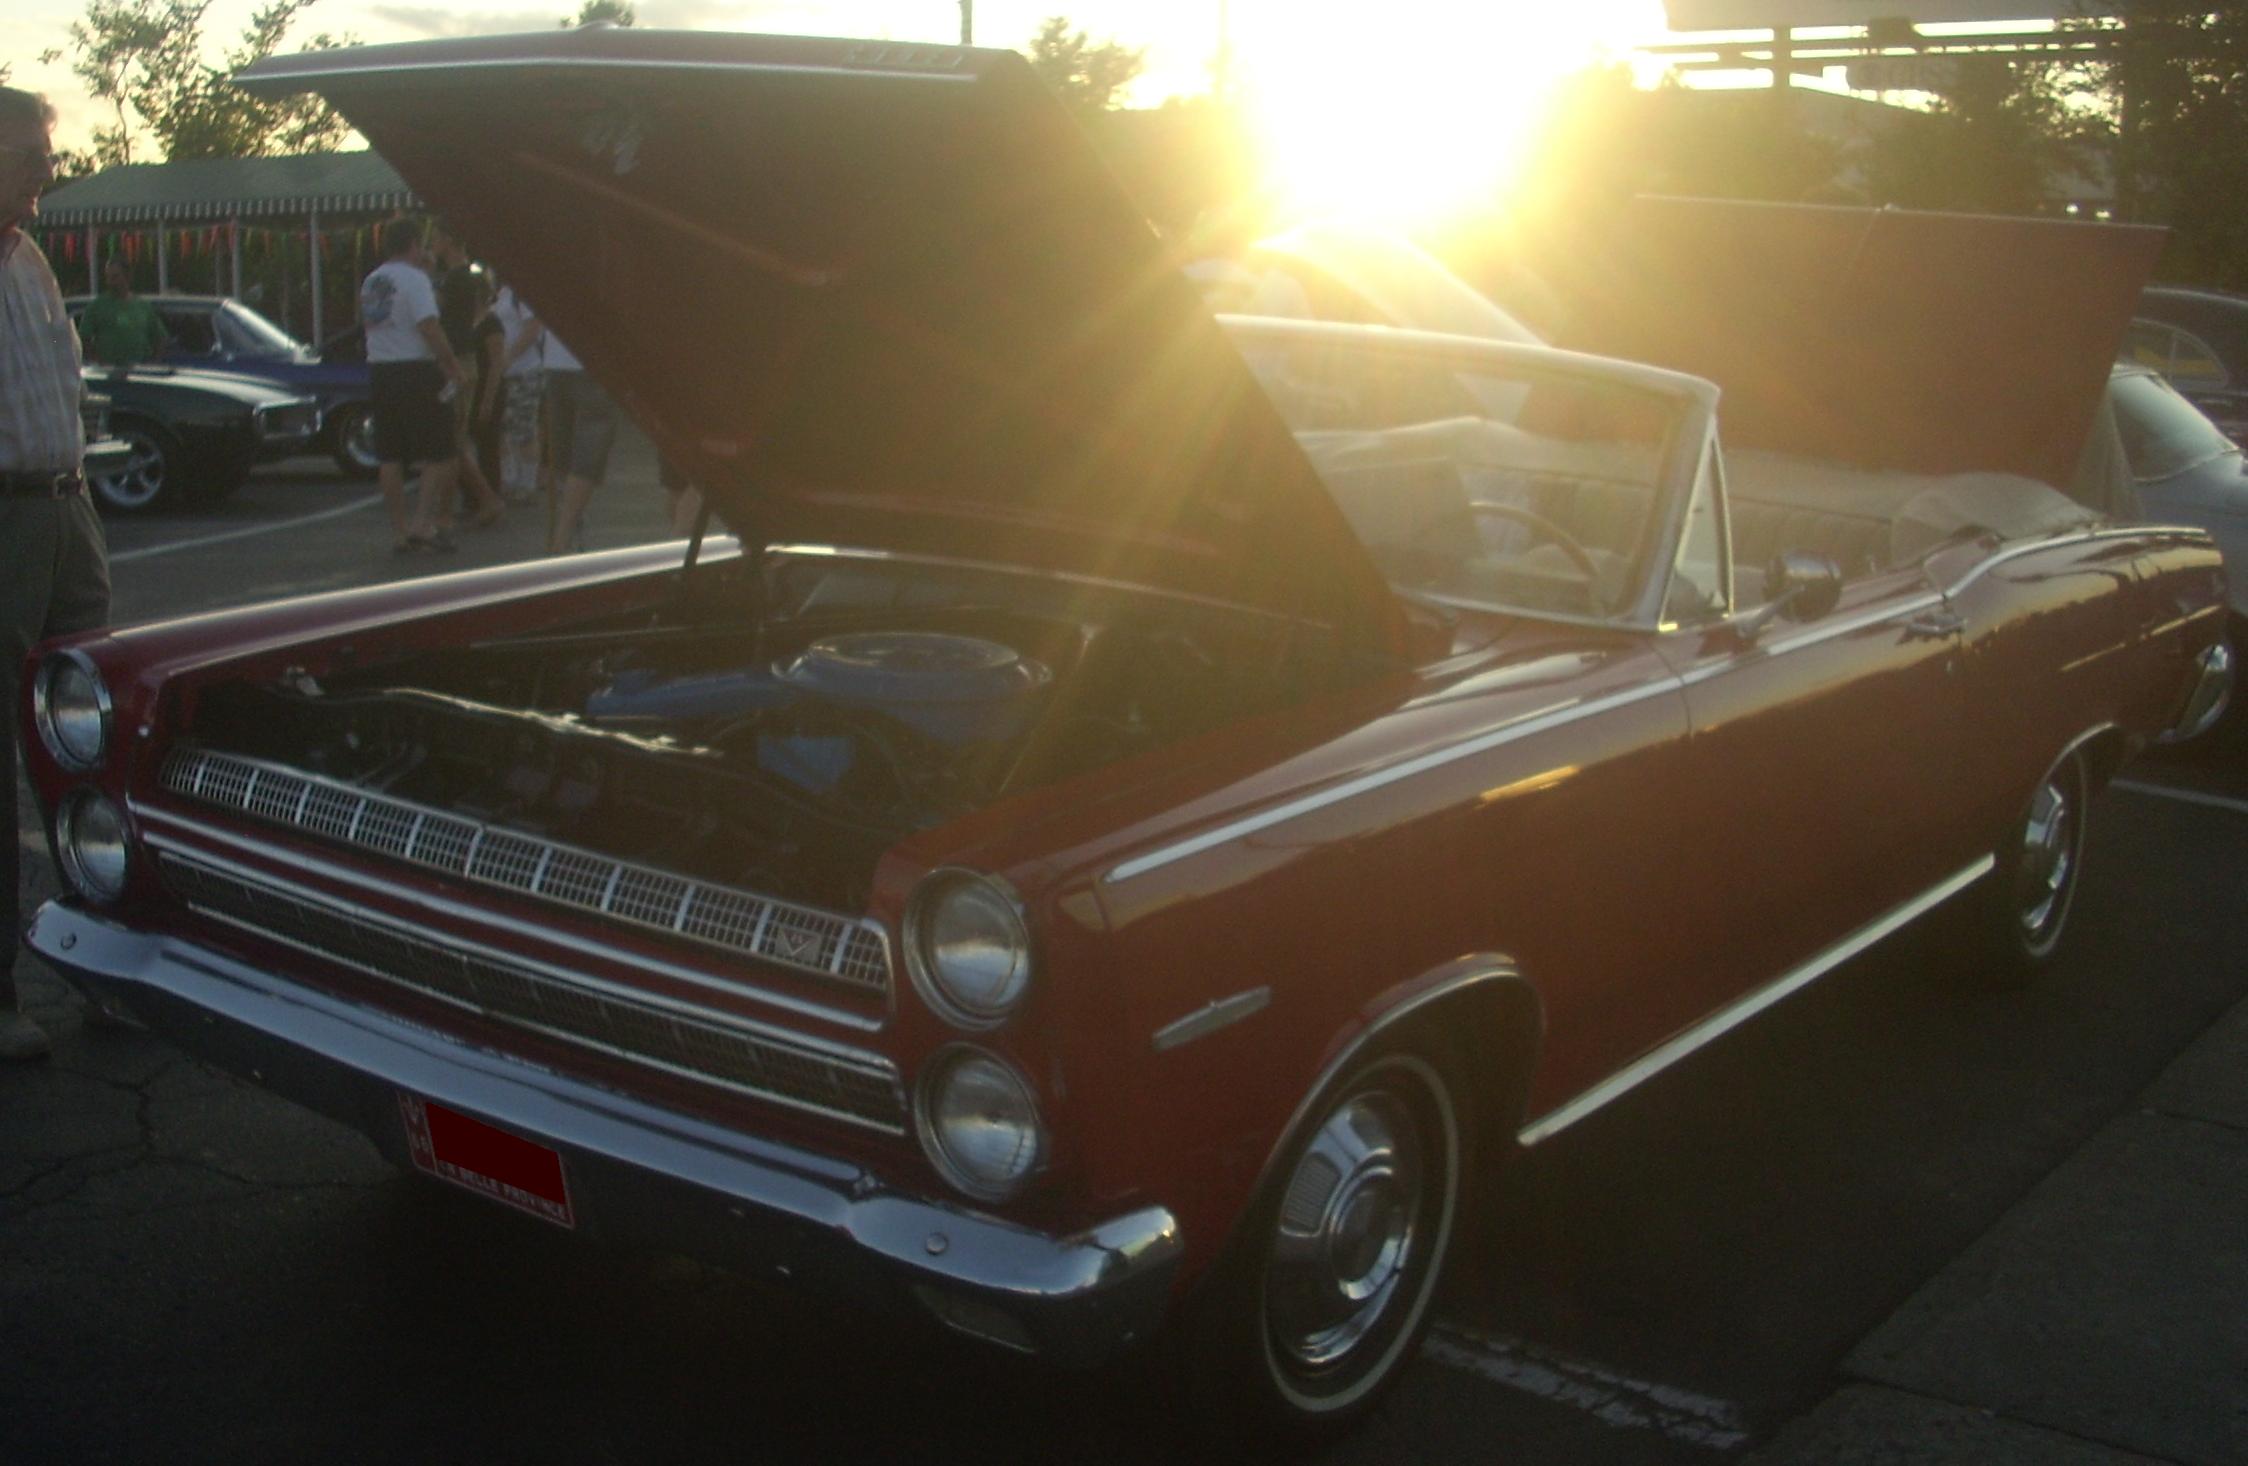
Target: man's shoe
20 1038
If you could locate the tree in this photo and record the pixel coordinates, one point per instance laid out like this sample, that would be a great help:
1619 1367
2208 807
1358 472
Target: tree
1089 77
145 58
1998 138
2177 86
594 12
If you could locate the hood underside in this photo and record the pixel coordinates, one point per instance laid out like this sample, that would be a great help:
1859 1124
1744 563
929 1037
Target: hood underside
866 293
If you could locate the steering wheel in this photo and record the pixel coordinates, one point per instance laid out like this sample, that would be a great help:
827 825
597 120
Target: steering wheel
1546 530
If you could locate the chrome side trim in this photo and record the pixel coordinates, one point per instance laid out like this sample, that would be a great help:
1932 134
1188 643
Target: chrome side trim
1732 1016
1207 1020
1529 724
2004 553
825 944
1810 636
798 1067
156 827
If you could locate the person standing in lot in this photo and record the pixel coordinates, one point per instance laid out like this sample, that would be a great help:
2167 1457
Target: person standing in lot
581 427
54 563
409 362
463 298
119 327
523 381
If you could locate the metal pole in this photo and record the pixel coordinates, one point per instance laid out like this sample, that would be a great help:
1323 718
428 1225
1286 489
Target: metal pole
967 22
163 259
312 242
93 260
234 253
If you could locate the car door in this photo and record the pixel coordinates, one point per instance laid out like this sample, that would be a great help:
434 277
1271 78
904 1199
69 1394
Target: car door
1821 775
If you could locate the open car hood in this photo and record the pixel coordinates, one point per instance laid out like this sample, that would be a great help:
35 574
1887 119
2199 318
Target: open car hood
866 293
1929 343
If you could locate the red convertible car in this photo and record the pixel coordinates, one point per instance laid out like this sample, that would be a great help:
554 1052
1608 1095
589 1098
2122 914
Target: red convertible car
1143 814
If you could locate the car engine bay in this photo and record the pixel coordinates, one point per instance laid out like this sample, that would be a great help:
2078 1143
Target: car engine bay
782 752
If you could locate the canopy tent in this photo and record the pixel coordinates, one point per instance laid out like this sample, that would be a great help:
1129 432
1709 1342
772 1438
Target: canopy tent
296 193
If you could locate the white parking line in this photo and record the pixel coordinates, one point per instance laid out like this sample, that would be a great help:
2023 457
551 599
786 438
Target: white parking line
242 534
2183 796
1611 1398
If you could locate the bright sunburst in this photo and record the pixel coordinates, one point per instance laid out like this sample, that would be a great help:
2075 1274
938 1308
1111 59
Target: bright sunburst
1420 107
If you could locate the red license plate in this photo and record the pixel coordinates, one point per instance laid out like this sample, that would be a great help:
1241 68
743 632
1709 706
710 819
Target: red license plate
487 1160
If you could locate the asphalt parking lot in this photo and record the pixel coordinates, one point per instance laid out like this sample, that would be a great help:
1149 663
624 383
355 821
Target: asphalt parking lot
1874 1214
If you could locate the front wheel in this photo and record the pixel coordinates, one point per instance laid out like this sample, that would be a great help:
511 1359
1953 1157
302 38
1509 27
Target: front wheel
354 440
2020 912
149 479
1327 1293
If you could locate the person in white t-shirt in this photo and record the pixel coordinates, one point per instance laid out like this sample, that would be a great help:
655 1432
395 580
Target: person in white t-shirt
409 364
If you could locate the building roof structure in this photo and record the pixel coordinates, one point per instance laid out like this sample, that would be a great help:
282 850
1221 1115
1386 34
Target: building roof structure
213 190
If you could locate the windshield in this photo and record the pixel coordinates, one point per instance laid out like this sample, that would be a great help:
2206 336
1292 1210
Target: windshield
1525 485
2163 434
246 333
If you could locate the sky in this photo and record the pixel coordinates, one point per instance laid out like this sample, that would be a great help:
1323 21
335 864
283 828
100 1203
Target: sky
1335 94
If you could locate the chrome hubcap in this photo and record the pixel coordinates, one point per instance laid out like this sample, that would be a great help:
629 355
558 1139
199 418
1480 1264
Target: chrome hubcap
2048 857
142 478
1349 1230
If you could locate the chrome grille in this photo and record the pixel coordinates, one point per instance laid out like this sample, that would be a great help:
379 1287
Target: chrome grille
864 1090
799 938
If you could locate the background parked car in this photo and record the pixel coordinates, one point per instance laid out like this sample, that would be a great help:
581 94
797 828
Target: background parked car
193 435
217 333
2187 472
2198 340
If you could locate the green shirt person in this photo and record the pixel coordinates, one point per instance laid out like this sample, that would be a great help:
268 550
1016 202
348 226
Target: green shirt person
119 328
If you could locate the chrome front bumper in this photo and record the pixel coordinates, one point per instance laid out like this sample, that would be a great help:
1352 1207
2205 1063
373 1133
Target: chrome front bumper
638 1172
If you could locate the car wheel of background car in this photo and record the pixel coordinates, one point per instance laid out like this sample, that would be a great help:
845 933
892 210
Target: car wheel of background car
355 440
1325 1295
2021 911
149 479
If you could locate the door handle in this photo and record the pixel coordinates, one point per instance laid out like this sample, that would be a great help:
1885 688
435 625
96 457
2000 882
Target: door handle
1935 625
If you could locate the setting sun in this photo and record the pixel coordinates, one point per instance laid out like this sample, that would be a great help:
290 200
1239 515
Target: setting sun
1429 107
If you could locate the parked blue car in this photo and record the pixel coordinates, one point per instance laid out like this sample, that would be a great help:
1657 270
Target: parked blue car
219 334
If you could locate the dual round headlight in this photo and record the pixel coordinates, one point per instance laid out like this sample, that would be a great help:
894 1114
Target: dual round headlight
979 1122
70 705
968 948
90 836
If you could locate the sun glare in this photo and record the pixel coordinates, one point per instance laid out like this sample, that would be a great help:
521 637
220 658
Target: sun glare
1428 108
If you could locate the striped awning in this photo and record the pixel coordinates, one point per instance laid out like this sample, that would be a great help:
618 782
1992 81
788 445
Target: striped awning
213 190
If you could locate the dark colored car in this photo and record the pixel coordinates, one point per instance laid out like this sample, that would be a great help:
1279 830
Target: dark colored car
1147 813
193 436
219 334
2198 341
2184 471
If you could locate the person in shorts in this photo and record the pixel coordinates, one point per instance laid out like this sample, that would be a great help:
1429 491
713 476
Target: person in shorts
581 427
410 365
464 298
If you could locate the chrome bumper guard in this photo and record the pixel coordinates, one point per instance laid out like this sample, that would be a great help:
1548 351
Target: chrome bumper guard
2212 693
638 1172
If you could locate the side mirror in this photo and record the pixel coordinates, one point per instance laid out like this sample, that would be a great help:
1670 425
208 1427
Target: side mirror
1803 586
1799 585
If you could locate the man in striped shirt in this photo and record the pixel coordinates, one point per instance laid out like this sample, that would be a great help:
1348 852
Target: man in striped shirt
54 564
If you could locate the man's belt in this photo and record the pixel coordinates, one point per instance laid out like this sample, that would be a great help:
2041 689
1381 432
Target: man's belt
48 485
